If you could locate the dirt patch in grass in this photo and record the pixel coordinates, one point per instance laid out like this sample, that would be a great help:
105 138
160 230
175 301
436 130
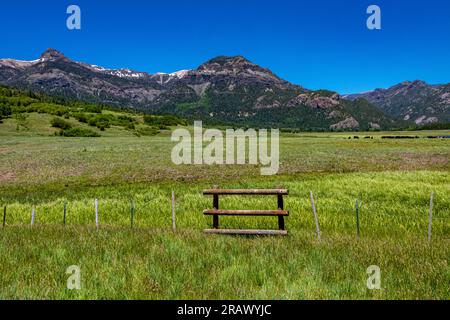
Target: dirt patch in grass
7 176
4 150
423 159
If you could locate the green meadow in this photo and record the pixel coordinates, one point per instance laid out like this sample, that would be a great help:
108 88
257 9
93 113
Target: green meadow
392 178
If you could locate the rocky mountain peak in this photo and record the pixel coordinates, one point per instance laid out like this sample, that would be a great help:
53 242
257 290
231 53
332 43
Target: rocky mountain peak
228 60
51 55
235 65
224 63
409 85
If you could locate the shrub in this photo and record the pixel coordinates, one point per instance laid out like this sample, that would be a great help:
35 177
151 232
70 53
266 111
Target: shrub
50 108
101 121
167 120
435 126
78 132
20 117
124 118
147 131
125 121
5 111
81 117
60 123
93 108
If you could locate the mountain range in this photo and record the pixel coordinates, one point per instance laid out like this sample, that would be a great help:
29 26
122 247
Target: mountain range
230 90
414 101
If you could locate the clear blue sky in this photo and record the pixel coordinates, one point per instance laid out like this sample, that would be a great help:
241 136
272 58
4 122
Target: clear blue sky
317 44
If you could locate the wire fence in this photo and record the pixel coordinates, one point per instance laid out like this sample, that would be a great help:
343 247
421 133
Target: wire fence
186 212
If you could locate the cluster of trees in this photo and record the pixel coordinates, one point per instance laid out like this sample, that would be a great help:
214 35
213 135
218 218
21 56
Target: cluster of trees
68 131
432 126
5 112
13 101
9 100
103 121
164 121
78 132
60 123
16 102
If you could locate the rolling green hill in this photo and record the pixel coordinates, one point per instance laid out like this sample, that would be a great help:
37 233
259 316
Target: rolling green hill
27 113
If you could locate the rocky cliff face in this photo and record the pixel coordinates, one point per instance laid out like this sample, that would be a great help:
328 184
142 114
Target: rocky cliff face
229 90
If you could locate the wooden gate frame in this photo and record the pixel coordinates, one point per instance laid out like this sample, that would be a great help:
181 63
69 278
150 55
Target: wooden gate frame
216 212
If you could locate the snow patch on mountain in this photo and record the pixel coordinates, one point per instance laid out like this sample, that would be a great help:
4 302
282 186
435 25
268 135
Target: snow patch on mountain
122 73
179 74
20 64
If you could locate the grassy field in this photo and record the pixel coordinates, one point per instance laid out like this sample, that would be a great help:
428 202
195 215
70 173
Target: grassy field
392 178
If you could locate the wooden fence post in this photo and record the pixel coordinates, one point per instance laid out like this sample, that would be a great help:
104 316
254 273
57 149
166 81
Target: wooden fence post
216 207
430 218
33 215
96 212
280 207
4 216
65 212
174 222
132 213
357 219
315 214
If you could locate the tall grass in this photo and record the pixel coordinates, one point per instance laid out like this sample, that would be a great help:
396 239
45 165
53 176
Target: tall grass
392 179
394 204
118 263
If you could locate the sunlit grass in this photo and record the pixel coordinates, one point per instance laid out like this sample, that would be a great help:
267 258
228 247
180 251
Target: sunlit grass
124 264
393 204
393 179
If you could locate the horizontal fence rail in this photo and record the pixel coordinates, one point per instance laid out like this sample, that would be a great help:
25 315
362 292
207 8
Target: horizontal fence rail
246 192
